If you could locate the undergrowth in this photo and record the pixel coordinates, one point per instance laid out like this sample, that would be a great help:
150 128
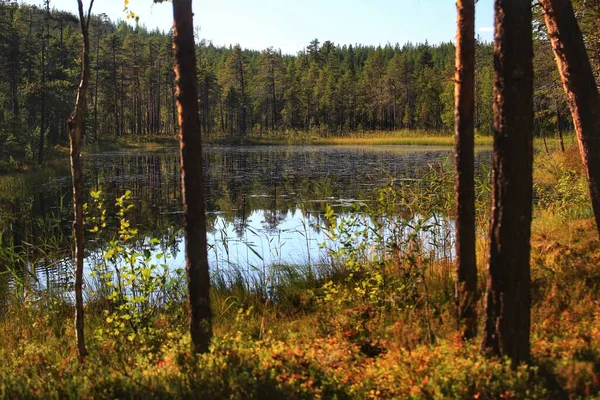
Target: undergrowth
377 321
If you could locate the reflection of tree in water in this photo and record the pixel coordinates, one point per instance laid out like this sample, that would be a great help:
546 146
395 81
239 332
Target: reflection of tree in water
276 213
239 181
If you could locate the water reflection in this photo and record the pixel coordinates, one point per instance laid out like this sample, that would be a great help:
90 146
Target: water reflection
265 204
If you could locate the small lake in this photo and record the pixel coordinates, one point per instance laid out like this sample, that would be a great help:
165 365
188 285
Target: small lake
265 204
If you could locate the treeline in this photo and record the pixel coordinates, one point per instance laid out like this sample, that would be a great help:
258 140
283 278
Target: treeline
325 88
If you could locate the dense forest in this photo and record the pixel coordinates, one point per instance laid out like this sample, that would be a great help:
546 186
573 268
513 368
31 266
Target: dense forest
327 88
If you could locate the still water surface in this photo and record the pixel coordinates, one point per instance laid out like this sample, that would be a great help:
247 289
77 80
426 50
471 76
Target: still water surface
265 204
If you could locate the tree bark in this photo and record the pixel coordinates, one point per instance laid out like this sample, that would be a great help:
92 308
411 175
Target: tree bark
75 124
43 93
579 84
192 180
466 267
508 300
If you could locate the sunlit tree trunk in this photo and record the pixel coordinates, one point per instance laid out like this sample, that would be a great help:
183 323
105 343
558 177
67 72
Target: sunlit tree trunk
579 84
466 267
192 180
508 299
43 90
75 124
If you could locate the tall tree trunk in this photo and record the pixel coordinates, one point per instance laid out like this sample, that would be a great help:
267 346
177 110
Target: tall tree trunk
62 47
580 86
158 98
508 300
14 89
75 124
221 112
274 101
96 89
42 98
207 124
466 266
122 108
192 180
115 86
173 106
243 121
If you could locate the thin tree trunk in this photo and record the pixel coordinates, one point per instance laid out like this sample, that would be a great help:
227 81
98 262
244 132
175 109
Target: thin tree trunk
192 180
75 124
579 84
466 267
206 114
222 117
243 121
545 142
122 108
42 100
158 127
14 90
559 127
116 94
274 102
96 88
173 107
508 300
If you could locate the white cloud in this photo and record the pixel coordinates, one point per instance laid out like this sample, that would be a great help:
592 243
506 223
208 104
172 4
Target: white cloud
486 29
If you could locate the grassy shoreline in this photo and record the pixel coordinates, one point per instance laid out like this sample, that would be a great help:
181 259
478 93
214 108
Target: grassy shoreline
375 138
60 154
363 332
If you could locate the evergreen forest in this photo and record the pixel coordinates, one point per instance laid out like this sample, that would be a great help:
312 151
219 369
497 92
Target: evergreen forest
326 89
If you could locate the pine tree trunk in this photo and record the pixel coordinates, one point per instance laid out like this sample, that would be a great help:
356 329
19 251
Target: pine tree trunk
42 100
579 84
466 267
75 124
243 121
158 98
222 117
192 180
116 94
508 300
274 104
96 88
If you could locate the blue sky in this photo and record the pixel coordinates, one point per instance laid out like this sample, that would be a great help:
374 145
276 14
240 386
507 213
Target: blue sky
291 24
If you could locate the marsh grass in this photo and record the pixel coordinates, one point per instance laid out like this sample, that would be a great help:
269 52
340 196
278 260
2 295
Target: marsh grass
376 138
372 138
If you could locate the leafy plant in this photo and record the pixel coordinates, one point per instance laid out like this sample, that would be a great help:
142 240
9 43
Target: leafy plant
136 281
567 196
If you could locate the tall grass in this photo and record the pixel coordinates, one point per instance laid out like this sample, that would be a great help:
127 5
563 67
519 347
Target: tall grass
358 326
